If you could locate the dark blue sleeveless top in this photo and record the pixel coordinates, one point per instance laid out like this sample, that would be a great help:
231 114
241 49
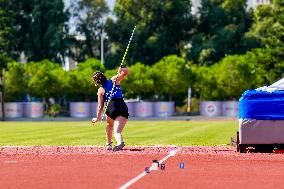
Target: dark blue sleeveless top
117 92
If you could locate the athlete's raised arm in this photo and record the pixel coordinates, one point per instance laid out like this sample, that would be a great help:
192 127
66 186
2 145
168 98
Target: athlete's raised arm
122 73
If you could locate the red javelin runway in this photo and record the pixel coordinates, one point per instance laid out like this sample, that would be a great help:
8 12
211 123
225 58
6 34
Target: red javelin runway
93 167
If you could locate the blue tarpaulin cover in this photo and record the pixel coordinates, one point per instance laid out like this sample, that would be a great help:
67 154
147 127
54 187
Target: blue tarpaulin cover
262 105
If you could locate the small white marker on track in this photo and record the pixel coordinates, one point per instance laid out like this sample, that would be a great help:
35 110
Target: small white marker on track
10 161
173 150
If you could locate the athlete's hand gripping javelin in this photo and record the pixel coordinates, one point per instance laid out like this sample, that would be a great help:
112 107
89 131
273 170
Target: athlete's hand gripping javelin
122 73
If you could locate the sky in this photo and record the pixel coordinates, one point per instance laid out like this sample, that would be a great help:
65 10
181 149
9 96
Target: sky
72 22
109 2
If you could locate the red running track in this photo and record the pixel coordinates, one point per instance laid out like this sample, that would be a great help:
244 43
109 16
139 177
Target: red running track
93 167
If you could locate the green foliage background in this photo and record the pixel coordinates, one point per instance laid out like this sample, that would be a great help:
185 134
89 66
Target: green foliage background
222 51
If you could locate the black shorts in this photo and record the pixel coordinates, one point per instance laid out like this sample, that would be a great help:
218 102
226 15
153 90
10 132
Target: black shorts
117 107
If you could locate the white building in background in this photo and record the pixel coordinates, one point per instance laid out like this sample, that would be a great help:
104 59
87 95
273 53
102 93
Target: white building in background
70 63
254 3
195 5
251 4
22 58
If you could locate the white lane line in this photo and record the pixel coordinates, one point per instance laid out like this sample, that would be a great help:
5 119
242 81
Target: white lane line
141 175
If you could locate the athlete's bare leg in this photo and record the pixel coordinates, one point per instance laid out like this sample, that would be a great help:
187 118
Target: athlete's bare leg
119 124
109 128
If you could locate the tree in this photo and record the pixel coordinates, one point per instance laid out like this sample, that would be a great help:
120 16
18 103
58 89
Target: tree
270 62
162 28
220 31
206 85
236 74
80 83
268 27
89 15
268 30
139 83
15 84
172 77
37 28
45 79
48 32
7 30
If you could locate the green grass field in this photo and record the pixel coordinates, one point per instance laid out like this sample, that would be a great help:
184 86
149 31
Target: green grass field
135 133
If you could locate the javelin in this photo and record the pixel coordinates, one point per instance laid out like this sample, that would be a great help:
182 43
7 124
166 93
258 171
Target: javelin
121 64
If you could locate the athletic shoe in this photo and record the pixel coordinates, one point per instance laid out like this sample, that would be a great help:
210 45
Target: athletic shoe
118 147
108 146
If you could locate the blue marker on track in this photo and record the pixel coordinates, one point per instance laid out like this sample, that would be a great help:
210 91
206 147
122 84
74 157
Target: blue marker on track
181 165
